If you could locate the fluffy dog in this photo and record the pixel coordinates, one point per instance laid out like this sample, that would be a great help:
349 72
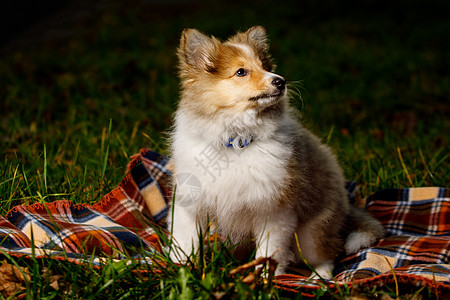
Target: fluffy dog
245 163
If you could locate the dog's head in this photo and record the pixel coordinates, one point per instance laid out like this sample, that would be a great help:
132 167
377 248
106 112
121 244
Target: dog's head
231 76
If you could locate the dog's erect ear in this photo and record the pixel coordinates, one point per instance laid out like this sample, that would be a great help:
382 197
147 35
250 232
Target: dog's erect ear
197 50
258 37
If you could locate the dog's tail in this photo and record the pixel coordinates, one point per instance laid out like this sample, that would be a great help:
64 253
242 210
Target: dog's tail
364 231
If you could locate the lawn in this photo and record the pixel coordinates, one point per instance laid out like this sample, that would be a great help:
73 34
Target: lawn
83 95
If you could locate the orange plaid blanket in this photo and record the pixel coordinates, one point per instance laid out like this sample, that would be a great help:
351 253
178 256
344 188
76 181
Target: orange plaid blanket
416 250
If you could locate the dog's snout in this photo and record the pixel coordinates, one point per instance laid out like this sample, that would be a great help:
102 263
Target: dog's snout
279 83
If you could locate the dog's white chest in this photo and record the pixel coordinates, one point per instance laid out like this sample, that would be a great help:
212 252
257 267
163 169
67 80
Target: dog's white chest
230 181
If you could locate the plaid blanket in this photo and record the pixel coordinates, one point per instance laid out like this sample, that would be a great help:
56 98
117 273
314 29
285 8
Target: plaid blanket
126 219
416 250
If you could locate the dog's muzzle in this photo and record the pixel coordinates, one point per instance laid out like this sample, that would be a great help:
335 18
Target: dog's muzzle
279 83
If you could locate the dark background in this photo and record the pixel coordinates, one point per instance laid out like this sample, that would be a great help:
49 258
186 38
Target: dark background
375 77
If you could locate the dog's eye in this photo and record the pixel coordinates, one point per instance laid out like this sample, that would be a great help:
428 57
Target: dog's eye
241 72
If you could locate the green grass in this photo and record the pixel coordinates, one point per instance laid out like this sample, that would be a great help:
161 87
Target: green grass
74 109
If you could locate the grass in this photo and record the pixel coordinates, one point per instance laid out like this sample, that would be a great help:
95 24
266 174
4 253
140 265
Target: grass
75 108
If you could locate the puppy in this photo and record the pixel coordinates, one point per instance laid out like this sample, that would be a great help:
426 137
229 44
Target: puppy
243 162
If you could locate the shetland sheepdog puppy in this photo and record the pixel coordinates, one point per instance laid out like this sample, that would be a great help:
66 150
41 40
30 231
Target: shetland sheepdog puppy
243 161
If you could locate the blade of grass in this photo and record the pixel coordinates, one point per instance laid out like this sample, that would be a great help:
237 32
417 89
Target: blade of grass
405 169
105 159
397 290
435 284
45 169
330 134
123 147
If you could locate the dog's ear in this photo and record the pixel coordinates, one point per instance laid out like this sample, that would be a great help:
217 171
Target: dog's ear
256 36
197 50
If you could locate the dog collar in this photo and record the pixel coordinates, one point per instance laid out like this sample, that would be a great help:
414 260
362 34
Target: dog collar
239 143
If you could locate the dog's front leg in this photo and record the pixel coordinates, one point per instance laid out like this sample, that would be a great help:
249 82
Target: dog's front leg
274 237
183 223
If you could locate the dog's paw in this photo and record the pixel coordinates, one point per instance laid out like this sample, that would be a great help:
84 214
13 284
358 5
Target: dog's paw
177 256
323 271
280 270
358 240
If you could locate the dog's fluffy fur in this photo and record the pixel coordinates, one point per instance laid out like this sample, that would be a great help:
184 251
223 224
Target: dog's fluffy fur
284 182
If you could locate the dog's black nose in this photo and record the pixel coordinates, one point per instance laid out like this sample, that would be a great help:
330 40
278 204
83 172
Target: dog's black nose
279 83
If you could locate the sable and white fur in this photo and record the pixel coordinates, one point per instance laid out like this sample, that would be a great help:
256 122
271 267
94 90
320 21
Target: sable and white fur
285 182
